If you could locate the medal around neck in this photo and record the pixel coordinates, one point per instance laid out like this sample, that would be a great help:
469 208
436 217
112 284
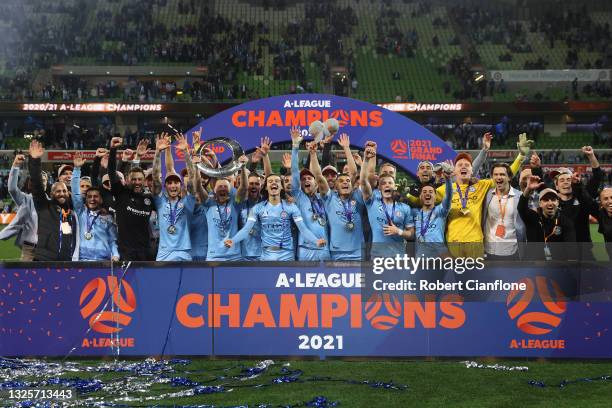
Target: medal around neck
228 169
172 229
88 236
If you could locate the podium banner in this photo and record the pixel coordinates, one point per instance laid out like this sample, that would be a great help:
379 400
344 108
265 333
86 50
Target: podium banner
297 309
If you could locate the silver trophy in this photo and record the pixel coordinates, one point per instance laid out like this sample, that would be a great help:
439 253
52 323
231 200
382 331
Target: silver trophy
228 169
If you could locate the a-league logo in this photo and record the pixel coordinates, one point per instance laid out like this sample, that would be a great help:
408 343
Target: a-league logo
93 299
537 321
393 307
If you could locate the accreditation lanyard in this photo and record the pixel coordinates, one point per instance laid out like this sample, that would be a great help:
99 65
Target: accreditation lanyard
502 209
551 232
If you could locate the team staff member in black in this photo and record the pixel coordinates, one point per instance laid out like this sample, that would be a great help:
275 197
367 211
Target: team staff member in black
56 221
133 208
547 227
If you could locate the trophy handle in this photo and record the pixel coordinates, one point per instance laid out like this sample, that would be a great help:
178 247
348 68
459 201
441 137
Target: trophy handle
229 169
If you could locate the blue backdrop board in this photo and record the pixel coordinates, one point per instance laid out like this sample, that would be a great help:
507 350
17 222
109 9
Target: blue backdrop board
399 139
282 309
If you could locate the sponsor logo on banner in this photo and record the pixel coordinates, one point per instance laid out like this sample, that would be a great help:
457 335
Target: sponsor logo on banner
541 320
107 310
399 148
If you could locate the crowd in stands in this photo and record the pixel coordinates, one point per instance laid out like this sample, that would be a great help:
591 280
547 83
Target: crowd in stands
39 35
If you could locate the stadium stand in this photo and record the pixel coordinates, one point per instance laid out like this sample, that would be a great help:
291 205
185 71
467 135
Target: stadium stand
392 50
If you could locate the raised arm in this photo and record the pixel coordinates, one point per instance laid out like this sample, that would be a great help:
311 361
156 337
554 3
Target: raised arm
345 142
528 215
183 146
266 145
369 155
95 167
241 193
18 196
315 169
36 151
116 185
447 170
524 147
77 198
161 143
296 139
371 166
592 186
482 155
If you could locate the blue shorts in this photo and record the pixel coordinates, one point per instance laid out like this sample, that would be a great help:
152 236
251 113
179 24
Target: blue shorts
173 256
309 254
346 255
277 255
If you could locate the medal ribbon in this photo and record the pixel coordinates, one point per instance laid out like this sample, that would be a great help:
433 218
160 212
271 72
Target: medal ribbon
348 209
425 227
551 232
464 200
223 216
389 217
91 220
317 206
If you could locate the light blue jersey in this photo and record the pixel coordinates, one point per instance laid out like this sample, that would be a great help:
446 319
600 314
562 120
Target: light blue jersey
312 209
275 222
345 225
222 220
174 218
381 214
97 232
251 246
198 230
430 226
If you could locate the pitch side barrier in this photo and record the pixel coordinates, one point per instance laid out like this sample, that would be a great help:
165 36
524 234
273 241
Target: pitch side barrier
561 310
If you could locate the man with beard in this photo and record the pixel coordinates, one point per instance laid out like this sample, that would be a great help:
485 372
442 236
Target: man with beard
56 220
174 212
390 221
222 210
97 232
309 203
133 208
504 229
251 246
274 215
546 227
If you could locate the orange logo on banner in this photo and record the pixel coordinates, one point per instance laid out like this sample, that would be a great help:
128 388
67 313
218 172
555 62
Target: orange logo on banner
98 320
537 322
400 148
341 116
393 307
